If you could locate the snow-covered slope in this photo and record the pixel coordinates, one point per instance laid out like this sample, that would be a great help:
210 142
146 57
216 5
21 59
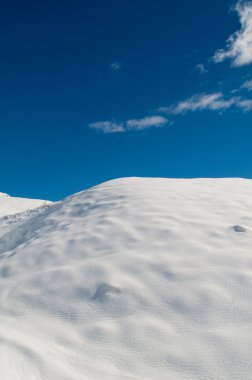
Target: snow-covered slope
13 210
11 205
144 279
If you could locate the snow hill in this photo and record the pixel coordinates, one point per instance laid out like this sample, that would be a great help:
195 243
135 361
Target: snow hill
144 279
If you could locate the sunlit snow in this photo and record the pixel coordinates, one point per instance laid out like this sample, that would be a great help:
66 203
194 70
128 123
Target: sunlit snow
144 279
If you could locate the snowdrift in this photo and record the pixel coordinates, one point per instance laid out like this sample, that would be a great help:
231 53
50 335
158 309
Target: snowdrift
133 279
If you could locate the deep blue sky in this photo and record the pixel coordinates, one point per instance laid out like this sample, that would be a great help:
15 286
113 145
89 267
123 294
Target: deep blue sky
66 64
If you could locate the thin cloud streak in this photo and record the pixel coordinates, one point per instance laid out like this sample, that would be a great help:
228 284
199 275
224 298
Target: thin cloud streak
245 105
247 85
107 127
207 102
130 125
146 122
199 102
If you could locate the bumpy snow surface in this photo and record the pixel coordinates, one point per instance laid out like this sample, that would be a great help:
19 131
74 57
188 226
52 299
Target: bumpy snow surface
144 279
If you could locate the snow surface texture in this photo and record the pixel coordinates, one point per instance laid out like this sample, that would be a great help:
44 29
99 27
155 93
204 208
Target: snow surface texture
144 279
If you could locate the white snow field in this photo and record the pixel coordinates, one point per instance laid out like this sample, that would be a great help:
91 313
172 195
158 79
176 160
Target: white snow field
134 279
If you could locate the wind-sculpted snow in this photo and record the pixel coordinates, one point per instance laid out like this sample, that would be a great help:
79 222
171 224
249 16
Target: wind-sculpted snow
132 279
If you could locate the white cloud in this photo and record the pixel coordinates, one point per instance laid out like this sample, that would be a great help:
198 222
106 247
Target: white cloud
239 45
210 102
107 126
146 122
200 102
132 124
245 105
247 85
201 68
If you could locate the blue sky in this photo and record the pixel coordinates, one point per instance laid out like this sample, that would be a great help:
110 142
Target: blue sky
95 90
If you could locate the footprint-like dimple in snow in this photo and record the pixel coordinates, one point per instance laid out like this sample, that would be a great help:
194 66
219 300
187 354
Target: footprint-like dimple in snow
104 291
239 229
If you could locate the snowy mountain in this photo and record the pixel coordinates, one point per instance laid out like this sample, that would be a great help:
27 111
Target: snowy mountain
144 279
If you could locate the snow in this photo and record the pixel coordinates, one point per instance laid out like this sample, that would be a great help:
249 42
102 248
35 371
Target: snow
133 279
11 205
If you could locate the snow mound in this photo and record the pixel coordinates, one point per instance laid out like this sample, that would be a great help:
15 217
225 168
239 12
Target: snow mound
133 279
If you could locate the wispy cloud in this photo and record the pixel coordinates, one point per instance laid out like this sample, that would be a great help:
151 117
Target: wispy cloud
115 66
201 68
245 105
211 102
239 45
146 122
130 125
200 102
107 126
247 85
